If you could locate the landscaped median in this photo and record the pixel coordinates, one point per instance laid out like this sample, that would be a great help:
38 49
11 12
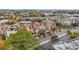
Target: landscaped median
73 34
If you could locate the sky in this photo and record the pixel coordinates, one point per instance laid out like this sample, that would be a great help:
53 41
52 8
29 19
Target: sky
39 4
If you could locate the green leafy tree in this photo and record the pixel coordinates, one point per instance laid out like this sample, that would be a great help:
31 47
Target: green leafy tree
22 40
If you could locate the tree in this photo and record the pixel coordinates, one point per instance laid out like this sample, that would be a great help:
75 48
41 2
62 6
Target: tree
22 40
1 44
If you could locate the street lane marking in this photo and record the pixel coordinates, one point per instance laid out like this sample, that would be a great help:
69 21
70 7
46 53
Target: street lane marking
45 42
61 35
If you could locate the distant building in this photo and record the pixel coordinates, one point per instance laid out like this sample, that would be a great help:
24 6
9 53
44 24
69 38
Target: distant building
3 21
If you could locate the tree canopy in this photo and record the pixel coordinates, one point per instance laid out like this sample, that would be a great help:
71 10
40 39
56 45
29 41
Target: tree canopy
22 40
